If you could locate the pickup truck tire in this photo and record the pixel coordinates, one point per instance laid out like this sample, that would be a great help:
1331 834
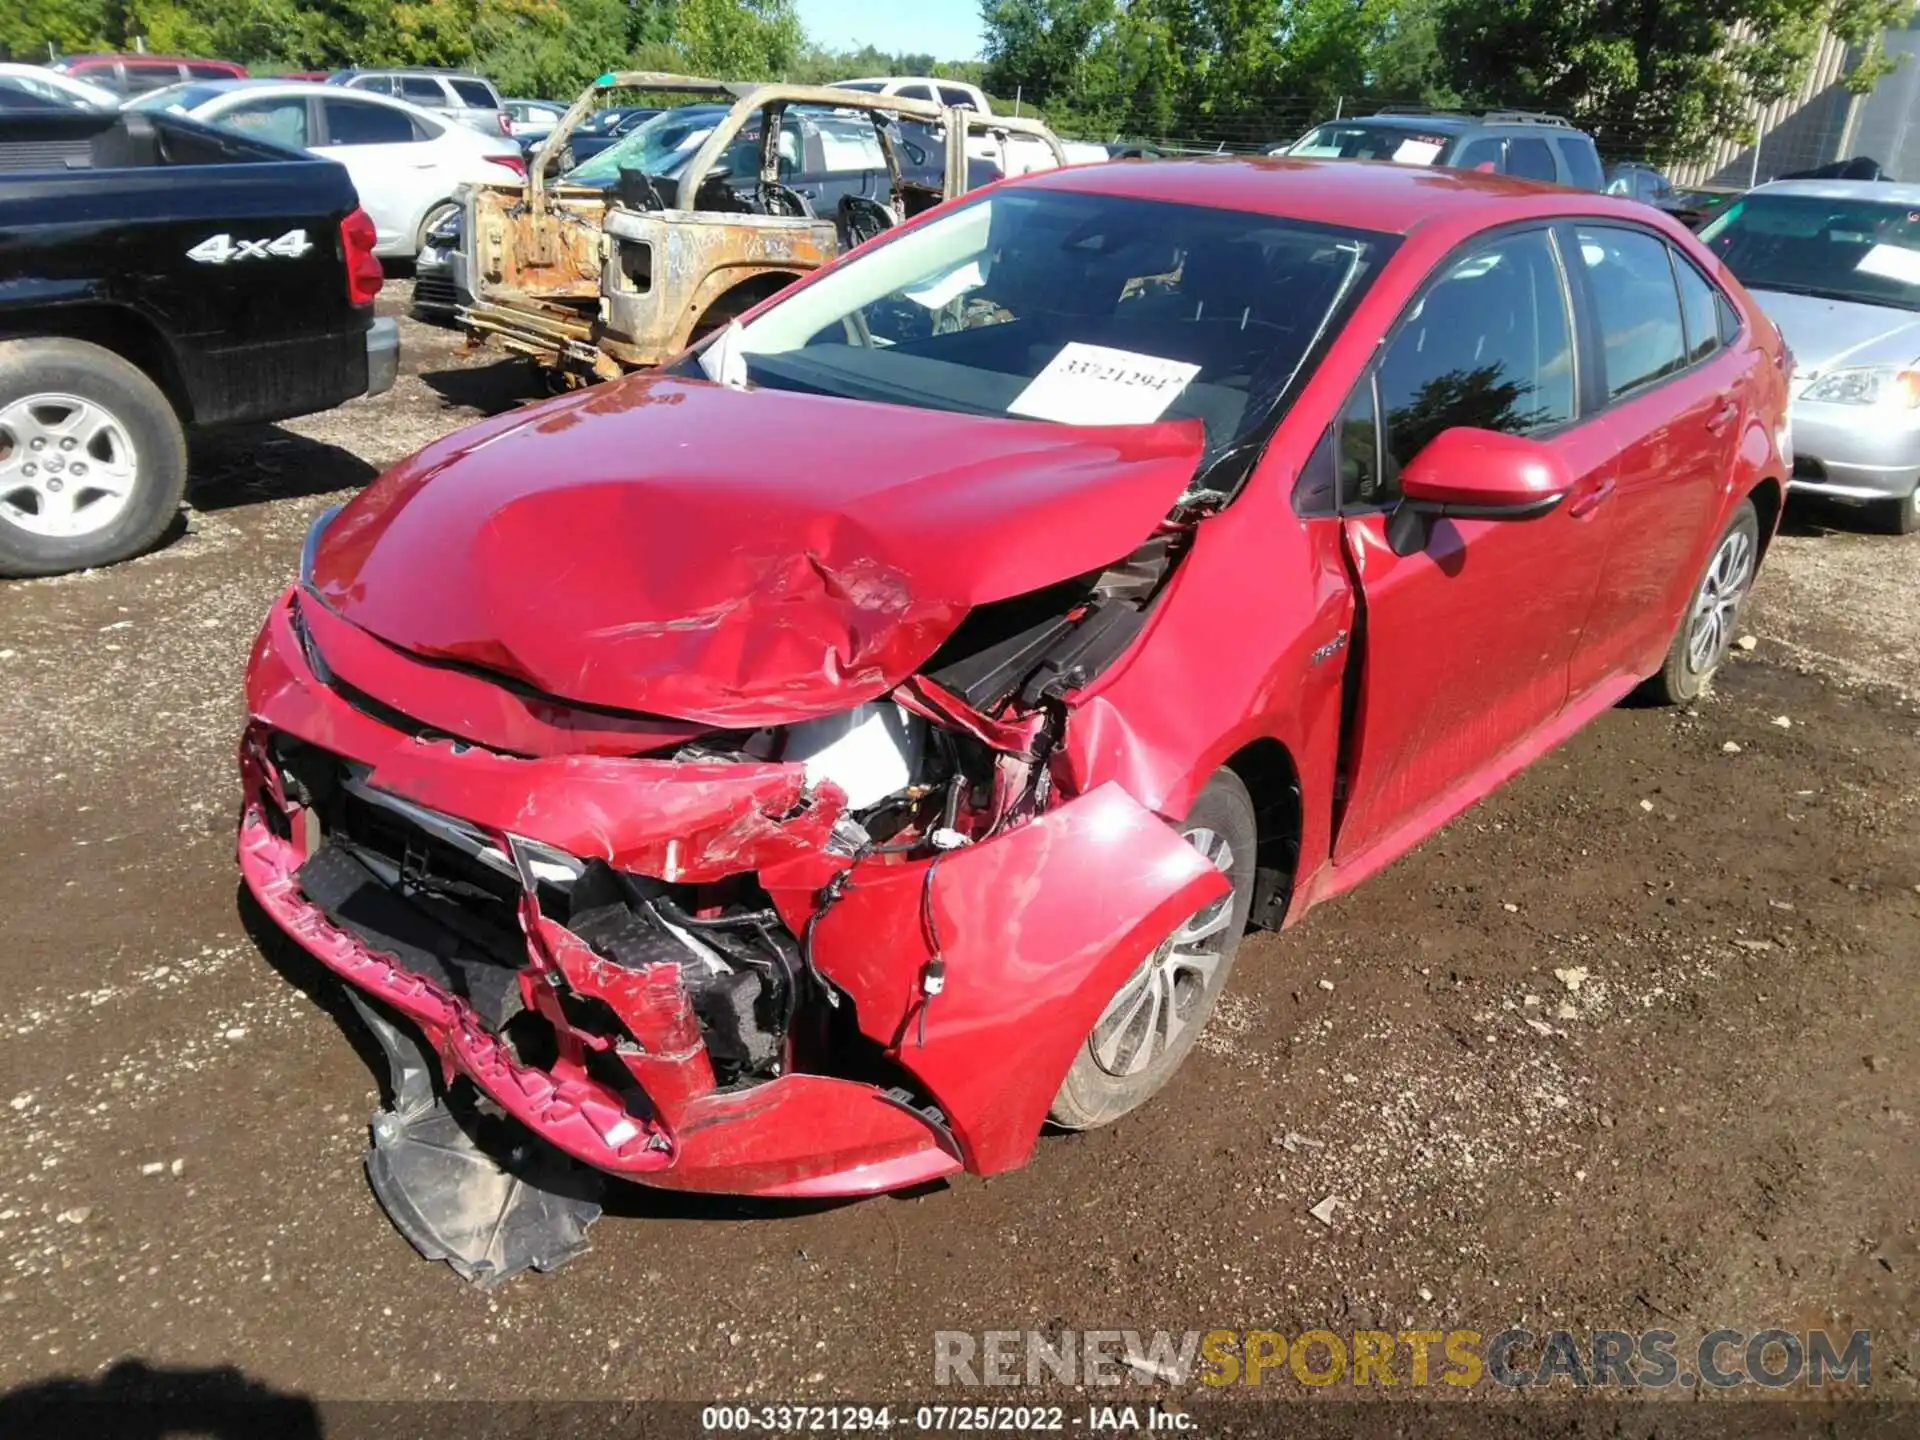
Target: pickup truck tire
1711 621
85 414
1158 1013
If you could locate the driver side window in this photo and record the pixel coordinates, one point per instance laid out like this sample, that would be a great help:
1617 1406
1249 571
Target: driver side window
1488 344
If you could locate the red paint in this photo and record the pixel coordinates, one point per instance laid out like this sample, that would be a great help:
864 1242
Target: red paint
576 591
733 578
1485 468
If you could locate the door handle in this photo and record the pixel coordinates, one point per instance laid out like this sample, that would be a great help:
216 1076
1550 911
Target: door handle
1722 418
1585 502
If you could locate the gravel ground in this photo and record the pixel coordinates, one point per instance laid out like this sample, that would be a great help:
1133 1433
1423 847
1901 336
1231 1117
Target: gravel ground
1634 1043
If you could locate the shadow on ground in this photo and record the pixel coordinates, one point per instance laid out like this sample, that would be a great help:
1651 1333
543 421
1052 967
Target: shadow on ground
258 464
136 1401
490 389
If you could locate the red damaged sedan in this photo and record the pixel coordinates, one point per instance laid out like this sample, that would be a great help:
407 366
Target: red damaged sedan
809 769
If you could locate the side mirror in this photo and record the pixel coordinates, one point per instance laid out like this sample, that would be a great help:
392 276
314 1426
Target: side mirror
1470 474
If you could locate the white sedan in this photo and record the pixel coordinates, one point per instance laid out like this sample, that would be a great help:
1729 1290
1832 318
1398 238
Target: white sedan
53 85
406 162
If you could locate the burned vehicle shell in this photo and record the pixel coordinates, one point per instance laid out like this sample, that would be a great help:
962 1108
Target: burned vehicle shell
592 283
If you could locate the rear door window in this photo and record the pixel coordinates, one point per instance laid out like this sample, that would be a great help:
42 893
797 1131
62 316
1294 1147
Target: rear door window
142 78
283 121
1729 321
1487 150
422 90
1488 345
1531 159
1641 330
951 95
366 122
1699 308
210 72
847 144
1582 162
475 94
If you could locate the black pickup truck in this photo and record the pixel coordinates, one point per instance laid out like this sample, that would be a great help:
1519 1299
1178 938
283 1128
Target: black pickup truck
156 275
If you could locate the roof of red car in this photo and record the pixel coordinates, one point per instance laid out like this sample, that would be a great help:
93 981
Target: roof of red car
153 55
1364 195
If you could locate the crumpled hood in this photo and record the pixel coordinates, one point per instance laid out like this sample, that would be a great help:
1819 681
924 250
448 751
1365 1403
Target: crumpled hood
734 558
1826 333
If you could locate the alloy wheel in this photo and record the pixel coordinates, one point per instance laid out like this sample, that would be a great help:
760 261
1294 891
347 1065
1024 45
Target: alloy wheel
1167 993
1716 607
67 466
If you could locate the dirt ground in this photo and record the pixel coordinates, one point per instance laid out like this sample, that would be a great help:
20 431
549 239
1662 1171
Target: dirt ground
1714 1126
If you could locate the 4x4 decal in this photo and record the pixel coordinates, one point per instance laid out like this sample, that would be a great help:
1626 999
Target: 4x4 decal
222 248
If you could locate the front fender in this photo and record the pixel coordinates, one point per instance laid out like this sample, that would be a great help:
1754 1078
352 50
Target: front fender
1037 930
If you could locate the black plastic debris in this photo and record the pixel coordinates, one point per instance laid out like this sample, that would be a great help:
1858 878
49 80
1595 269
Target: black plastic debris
489 1204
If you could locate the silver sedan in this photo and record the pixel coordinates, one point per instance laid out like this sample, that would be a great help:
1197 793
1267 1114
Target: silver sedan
1836 265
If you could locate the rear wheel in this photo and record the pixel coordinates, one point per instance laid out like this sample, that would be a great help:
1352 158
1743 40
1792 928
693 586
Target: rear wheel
1900 517
1712 619
93 460
1159 1011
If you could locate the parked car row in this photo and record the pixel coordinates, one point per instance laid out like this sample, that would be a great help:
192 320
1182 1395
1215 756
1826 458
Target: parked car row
407 163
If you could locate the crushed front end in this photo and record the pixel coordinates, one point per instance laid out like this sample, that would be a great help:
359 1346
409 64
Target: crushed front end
696 967
725 858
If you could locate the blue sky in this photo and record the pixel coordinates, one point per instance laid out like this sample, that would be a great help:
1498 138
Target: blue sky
945 29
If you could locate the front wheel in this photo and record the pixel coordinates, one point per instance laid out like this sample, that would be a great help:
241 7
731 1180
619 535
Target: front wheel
1158 1012
1712 619
93 460
431 221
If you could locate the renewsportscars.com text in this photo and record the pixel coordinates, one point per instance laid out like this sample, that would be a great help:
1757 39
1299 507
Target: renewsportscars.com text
1616 1359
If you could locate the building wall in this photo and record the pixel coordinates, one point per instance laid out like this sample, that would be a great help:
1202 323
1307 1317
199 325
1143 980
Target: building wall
1805 129
1887 125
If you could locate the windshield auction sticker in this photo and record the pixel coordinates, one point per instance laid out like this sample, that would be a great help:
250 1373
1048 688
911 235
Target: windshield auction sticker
1093 385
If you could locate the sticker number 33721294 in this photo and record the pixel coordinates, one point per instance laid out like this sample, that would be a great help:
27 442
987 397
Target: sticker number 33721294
222 249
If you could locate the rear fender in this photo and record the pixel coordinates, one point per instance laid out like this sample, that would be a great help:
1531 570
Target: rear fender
1037 929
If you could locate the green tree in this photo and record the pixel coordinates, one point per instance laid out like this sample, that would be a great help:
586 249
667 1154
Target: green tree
28 29
1037 48
737 38
1661 77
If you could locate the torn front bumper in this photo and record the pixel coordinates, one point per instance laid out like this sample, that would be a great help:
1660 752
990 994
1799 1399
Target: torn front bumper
1040 926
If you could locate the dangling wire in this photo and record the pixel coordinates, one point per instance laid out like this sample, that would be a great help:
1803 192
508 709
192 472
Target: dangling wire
933 979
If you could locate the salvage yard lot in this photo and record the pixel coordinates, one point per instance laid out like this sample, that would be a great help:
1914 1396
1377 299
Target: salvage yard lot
1636 1043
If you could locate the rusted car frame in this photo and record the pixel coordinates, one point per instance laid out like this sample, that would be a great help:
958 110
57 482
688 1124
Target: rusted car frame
590 284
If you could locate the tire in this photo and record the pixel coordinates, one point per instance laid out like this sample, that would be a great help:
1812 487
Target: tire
1131 1037
1715 604
1900 517
76 408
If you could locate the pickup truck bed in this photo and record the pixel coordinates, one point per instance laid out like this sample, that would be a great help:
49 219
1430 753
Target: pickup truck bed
223 271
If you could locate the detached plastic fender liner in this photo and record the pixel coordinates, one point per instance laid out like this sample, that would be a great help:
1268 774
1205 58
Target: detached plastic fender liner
677 821
1038 928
